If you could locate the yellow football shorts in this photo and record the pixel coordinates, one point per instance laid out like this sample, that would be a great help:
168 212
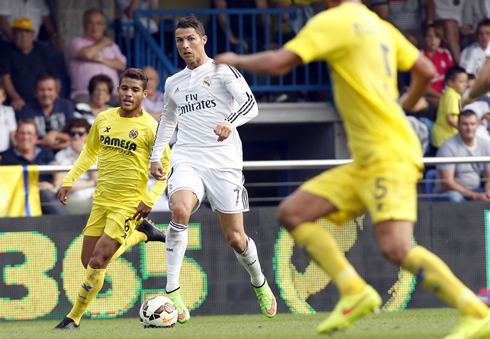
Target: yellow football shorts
387 189
116 222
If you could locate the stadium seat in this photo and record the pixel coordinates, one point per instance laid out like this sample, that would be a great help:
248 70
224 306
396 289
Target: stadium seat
429 186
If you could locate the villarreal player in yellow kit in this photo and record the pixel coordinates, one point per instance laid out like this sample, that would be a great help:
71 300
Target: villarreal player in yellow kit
120 140
364 54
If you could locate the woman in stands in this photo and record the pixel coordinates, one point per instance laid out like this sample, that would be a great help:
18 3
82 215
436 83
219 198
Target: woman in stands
100 88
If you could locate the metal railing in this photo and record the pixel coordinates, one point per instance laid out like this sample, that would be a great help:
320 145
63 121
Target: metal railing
304 165
264 32
298 164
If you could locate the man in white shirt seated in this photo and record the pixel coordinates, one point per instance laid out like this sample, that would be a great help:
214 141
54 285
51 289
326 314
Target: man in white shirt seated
473 56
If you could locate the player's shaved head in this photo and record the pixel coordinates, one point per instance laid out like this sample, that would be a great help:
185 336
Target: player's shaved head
191 22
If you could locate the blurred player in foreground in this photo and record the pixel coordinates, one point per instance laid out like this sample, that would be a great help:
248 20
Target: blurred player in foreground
209 102
364 54
120 140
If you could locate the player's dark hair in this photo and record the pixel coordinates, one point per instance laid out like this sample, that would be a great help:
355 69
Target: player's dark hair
471 76
101 78
453 72
191 22
134 73
26 121
91 11
467 113
77 123
483 22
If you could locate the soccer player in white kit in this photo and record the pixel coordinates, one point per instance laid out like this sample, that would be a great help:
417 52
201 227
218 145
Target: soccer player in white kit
208 102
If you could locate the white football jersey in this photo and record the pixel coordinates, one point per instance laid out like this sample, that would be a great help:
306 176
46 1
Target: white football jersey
198 100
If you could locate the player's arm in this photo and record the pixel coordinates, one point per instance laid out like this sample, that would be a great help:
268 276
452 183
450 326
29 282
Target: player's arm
87 158
409 59
156 192
240 91
277 62
319 39
165 130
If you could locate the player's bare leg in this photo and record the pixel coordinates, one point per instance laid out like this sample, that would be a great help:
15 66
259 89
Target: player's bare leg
183 202
246 253
104 250
298 214
88 248
395 242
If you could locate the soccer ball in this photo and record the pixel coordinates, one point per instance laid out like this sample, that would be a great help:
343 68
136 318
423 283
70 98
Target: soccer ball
158 311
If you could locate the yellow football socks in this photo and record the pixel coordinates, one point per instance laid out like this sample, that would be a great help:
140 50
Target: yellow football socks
135 238
436 277
91 285
322 248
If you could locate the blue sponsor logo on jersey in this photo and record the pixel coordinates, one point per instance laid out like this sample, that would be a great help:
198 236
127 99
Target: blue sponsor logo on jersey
116 142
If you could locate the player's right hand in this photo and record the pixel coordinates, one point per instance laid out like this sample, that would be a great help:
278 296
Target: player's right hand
64 194
156 170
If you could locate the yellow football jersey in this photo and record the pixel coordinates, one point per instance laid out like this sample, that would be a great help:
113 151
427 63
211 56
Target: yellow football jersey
121 147
364 53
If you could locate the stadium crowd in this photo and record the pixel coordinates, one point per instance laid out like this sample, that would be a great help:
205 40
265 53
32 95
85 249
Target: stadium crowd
43 122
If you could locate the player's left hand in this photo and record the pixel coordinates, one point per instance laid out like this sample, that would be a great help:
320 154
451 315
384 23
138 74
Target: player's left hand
223 131
228 58
141 212
64 194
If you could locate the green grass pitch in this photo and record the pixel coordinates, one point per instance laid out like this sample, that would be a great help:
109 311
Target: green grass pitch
420 324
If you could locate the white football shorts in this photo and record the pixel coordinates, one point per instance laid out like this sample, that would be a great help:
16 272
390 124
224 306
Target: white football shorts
223 187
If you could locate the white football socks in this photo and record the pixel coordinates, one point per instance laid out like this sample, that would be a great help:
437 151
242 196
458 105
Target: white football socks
250 260
176 244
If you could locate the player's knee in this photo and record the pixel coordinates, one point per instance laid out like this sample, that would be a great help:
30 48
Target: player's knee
393 253
287 217
237 241
180 213
99 261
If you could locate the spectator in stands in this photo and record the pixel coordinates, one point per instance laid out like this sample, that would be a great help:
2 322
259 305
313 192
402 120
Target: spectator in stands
153 103
8 125
49 112
234 22
473 56
446 124
482 111
406 15
474 11
100 88
84 186
307 9
92 55
27 153
450 13
126 10
462 182
37 11
22 61
440 57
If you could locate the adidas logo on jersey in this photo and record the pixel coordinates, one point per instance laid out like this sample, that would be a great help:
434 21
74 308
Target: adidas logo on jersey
177 90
